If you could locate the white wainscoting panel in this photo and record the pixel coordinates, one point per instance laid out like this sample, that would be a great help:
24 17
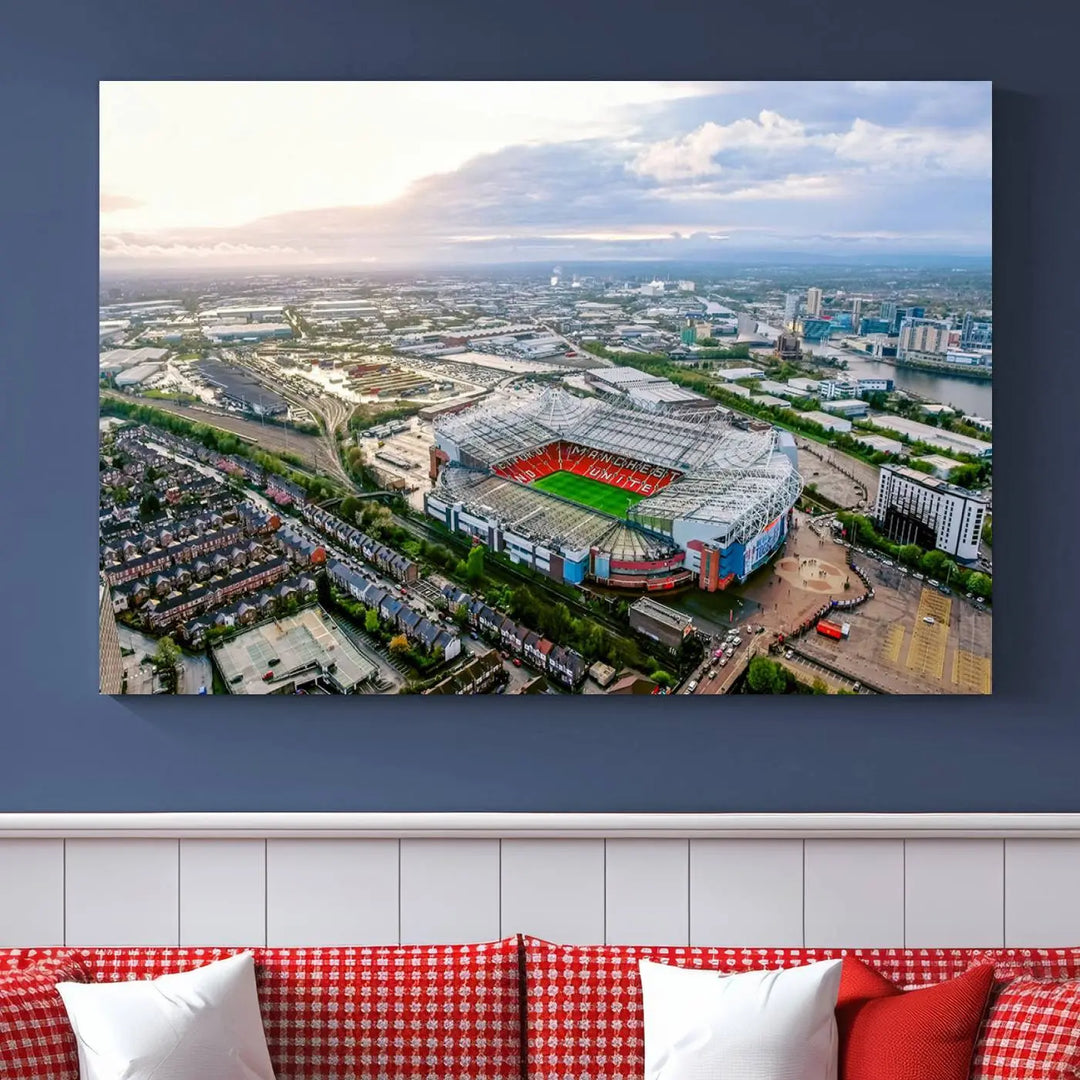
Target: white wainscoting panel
449 891
122 892
954 893
31 892
647 892
222 892
746 892
332 892
1042 892
554 889
729 880
854 893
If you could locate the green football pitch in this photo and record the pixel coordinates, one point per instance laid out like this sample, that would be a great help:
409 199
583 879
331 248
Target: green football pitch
592 493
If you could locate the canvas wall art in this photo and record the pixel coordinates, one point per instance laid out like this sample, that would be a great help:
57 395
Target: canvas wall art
666 389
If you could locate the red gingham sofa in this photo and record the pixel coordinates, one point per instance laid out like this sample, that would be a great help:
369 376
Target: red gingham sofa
527 1009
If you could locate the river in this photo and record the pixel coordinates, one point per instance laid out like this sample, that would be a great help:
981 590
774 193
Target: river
972 396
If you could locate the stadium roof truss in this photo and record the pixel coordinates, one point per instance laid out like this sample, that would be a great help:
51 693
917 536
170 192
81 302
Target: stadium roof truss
691 440
730 477
740 503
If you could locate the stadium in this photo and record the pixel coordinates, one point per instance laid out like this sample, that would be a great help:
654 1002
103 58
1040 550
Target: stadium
583 488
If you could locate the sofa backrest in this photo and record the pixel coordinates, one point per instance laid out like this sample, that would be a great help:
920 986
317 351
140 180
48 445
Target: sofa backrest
583 1011
410 1012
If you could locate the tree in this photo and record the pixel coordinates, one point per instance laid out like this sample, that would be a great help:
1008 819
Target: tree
663 678
371 621
765 676
149 506
399 644
980 585
819 687
474 565
910 554
350 506
933 562
166 661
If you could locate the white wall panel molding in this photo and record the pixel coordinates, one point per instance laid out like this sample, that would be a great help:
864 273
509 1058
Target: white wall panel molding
746 892
853 893
954 893
449 891
646 892
222 892
31 892
553 889
758 880
122 892
505 825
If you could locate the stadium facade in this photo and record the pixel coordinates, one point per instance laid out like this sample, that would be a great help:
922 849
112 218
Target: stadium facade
707 501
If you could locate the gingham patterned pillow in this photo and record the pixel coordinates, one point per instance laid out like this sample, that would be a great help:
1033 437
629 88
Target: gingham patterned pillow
1031 1032
1031 963
36 1038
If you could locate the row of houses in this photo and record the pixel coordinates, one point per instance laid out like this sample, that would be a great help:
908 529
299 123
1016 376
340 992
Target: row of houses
476 676
563 665
298 547
168 579
391 562
161 613
398 613
128 562
252 609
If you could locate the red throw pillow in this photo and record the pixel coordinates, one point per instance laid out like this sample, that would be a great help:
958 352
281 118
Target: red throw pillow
891 1034
1032 1032
36 1038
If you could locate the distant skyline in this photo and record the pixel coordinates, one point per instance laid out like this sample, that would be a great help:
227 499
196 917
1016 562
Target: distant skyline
280 175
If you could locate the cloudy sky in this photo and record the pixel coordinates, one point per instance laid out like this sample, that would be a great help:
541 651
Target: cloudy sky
310 174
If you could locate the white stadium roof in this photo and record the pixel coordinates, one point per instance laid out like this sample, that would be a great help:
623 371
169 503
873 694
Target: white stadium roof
732 479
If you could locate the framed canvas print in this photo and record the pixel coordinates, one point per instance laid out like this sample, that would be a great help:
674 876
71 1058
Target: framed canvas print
552 388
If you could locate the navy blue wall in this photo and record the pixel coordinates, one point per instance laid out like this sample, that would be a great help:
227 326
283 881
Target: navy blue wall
63 748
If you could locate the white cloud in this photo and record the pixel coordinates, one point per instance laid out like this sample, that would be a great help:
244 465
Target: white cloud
957 153
792 188
866 144
694 154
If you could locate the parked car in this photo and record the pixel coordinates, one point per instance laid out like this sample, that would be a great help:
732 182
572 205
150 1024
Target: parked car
789 655
723 661
691 686
712 673
517 661
856 687
929 620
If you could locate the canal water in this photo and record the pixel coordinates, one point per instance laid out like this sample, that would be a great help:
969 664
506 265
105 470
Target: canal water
971 396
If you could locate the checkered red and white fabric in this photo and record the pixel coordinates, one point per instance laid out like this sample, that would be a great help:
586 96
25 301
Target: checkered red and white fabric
36 1039
1031 1032
1031 963
584 1017
382 1012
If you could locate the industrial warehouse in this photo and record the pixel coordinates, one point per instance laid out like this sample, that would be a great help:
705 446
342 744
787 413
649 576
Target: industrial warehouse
583 488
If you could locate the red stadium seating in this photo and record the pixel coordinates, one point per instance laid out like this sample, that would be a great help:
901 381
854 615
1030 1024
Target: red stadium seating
626 473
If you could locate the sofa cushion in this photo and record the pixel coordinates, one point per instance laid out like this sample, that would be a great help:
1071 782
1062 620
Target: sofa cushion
1031 963
36 1038
583 1002
173 1027
927 1033
1031 1032
754 1025
395 1012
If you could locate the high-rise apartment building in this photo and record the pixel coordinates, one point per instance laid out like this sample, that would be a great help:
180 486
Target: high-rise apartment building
813 301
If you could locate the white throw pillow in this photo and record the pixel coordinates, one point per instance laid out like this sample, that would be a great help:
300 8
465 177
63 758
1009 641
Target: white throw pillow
197 1024
757 1025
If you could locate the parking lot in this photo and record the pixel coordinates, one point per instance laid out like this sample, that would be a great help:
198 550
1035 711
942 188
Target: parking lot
912 639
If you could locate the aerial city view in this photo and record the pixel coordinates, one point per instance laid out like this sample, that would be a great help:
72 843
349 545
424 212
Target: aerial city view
548 388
